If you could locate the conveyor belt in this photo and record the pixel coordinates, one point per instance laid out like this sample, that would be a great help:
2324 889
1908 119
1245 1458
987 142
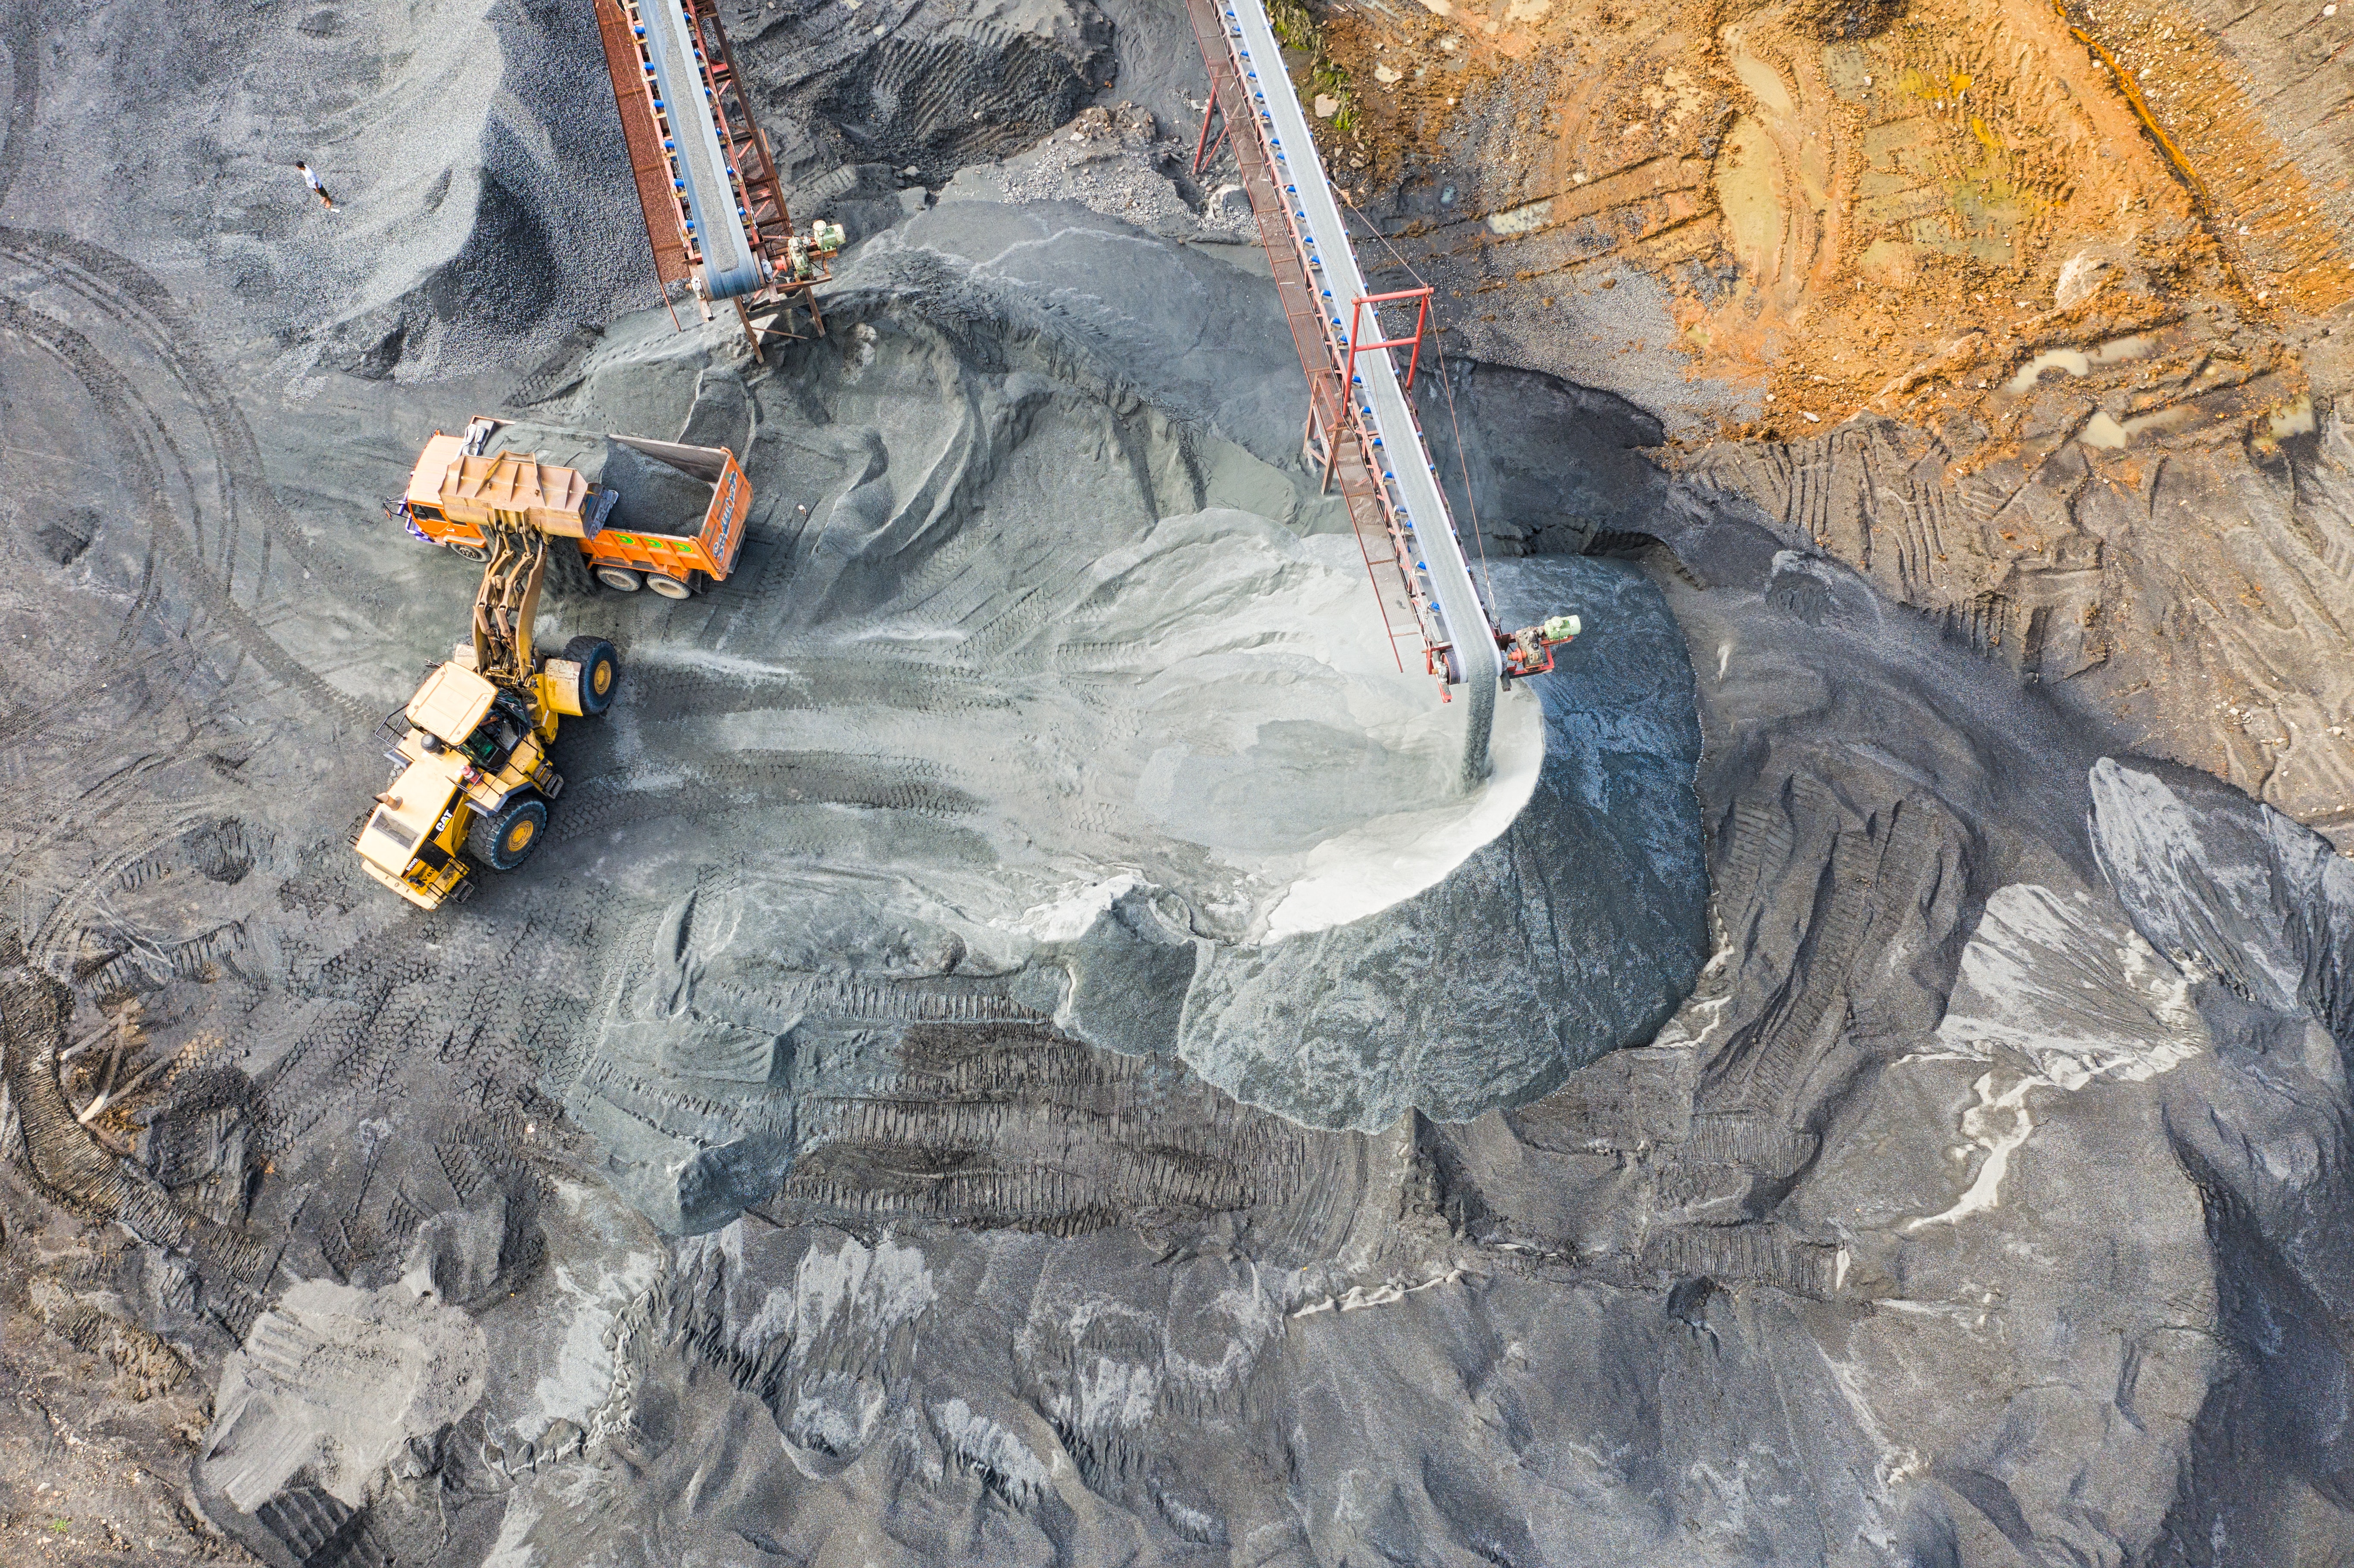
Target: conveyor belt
729 267
1456 626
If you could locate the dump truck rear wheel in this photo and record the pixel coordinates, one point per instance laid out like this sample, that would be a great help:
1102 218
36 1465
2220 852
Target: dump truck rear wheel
505 839
471 552
600 672
668 586
621 578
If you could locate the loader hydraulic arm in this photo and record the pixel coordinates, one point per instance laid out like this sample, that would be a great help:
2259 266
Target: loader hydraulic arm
507 603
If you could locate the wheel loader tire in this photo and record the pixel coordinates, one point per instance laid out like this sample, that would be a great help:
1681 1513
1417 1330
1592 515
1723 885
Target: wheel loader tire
505 839
600 672
621 578
474 552
669 588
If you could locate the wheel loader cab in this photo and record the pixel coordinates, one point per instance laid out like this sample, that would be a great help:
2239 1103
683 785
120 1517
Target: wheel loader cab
492 735
495 739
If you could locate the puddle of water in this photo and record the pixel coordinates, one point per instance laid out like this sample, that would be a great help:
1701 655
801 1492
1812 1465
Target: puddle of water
1763 82
2164 419
2102 431
2076 361
2070 360
1746 177
2108 434
2293 418
1522 219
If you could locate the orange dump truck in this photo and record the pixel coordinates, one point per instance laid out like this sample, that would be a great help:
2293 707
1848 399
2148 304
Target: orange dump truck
653 514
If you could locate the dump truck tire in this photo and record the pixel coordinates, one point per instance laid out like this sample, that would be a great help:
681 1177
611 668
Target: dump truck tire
668 586
621 578
505 839
600 672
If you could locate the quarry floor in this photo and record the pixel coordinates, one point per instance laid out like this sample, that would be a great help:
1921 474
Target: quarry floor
989 1067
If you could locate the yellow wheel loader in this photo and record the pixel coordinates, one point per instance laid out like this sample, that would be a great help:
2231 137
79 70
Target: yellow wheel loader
472 785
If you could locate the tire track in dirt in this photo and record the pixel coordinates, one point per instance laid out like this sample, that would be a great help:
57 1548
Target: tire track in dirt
146 453
20 36
132 297
69 779
774 779
120 403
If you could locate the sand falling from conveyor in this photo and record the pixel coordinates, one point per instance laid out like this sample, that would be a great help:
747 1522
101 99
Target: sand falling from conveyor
1456 624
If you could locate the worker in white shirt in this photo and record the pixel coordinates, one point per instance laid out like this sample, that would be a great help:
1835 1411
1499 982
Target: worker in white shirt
316 189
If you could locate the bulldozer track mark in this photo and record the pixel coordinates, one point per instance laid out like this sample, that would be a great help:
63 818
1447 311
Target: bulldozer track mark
664 1104
148 966
1870 876
1761 1254
66 1160
895 1000
222 851
318 1528
152 1365
1017 1126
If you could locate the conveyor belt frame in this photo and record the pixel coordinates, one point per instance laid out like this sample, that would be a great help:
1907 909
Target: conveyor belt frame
1357 409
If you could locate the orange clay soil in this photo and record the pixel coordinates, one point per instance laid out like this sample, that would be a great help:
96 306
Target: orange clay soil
1858 211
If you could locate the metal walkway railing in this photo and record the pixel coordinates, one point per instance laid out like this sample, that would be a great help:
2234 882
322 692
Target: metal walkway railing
1362 428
